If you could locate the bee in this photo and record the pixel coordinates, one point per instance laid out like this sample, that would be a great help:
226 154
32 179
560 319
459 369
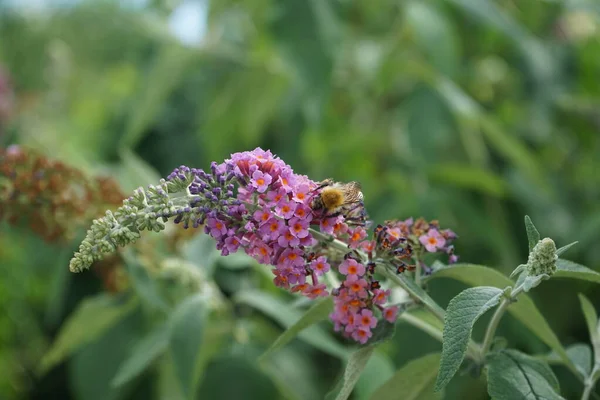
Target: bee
337 198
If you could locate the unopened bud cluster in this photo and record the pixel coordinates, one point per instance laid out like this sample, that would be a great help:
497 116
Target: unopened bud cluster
542 259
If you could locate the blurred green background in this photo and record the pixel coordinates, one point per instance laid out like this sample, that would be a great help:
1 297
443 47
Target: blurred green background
473 112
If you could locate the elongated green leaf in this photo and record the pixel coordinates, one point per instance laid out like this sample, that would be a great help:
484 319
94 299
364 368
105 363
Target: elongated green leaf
145 287
469 177
569 269
533 236
414 381
418 292
90 320
461 314
435 35
187 332
379 369
524 309
162 79
142 355
513 375
581 355
591 319
288 316
317 313
561 250
354 367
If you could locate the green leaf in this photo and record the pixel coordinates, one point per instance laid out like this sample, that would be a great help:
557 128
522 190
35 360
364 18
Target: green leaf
524 309
561 250
354 367
93 317
187 331
145 287
569 269
142 355
529 282
513 375
287 317
581 355
165 74
414 381
379 369
591 319
469 177
533 236
93 366
419 292
461 314
135 172
435 36
317 313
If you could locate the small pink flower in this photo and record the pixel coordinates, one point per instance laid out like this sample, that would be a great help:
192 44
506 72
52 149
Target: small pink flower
380 296
272 229
327 225
298 227
261 252
287 239
366 319
303 212
232 244
260 181
285 208
352 268
262 216
357 288
390 313
361 335
356 236
312 292
320 265
286 180
291 257
432 240
301 193
216 227
275 196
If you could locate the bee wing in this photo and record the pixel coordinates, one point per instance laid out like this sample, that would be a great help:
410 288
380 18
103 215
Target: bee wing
353 192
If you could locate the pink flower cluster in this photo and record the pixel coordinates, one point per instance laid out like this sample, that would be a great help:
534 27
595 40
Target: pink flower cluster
355 300
270 220
429 235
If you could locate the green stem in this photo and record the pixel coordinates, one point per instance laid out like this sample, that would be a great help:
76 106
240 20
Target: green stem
491 329
418 272
473 350
589 383
490 333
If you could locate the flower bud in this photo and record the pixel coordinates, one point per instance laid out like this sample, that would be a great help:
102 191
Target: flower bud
542 259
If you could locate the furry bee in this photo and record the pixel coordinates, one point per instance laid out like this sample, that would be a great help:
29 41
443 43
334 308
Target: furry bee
335 197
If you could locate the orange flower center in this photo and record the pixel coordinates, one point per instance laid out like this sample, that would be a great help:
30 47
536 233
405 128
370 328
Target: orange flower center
352 270
260 181
301 196
432 240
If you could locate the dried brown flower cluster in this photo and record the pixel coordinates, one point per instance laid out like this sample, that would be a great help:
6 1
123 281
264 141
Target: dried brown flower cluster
53 199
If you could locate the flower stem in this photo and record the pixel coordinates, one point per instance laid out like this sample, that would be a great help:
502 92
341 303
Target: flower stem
418 272
589 383
473 349
490 333
491 329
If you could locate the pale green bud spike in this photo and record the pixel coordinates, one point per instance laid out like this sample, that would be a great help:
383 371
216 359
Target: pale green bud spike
542 259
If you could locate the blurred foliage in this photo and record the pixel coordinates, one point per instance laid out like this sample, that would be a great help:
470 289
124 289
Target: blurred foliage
473 112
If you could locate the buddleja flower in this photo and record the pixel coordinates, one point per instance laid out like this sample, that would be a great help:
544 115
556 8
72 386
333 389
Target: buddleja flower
255 203
52 198
424 236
